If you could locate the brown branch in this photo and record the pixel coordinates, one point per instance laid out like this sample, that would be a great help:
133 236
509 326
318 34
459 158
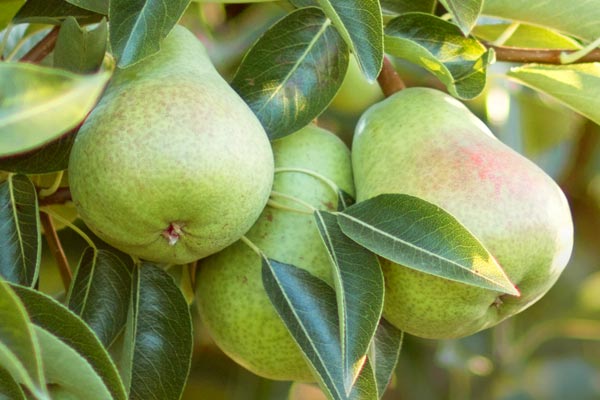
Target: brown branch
61 196
388 79
43 47
541 56
56 249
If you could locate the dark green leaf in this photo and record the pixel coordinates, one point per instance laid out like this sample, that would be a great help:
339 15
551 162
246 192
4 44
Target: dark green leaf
47 313
293 71
100 293
137 27
439 46
308 308
9 388
20 242
39 104
19 347
361 25
404 6
98 6
365 387
53 12
359 291
417 234
9 9
576 86
80 50
579 18
64 367
158 337
51 157
385 352
344 200
464 12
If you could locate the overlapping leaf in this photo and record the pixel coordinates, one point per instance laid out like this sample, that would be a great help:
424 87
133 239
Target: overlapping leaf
98 6
51 157
293 71
464 12
527 36
158 337
577 85
9 388
53 12
39 104
80 50
9 9
439 46
20 244
419 235
385 351
404 6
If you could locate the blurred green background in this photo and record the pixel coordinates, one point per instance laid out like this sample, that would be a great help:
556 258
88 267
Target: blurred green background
550 351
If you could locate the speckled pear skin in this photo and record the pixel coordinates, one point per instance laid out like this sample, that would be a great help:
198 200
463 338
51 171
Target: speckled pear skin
425 143
231 299
171 143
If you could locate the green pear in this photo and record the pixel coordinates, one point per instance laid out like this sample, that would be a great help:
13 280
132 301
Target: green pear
171 165
356 92
231 299
425 143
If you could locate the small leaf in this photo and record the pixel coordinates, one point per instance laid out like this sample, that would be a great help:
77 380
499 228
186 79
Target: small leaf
439 46
9 388
20 242
579 19
404 6
53 12
419 235
39 104
359 290
100 293
98 6
19 348
47 313
79 50
158 337
293 71
137 27
51 157
361 25
576 85
64 367
464 12
308 308
529 36
385 351
345 200
9 9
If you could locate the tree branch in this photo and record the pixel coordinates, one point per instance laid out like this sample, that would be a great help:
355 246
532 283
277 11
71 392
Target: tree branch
61 196
56 249
388 79
42 48
541 56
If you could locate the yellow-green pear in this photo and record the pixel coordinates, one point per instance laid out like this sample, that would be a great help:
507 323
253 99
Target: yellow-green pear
356 92
425 143
171 165
231 299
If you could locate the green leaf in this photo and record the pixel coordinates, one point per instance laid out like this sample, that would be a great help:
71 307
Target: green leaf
308 308
100 293
64 367
137 27
385 352
39 104
53 12
440 47
419 235
20 242
19 348
47 313
359 289
158 336
366 386
80 50
292 72
97 6
579 18
528 36
9 9
404 6
9 388
464 12
51 157
576 85
361 25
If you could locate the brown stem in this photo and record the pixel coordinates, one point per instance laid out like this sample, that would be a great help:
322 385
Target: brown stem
61 196
56 249
43 47
388 79
541 56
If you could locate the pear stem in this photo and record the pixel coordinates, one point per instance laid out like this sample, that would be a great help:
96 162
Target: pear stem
43 47
540 56
56 249
60 196
45 192
254 247
314 174
388 79
72 226
279 206
294 199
